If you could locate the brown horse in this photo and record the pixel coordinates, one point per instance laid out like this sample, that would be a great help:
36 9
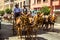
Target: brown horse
23 23
52 19
18 27
38 21
45 22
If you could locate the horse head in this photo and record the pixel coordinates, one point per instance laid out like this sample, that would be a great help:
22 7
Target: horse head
52 18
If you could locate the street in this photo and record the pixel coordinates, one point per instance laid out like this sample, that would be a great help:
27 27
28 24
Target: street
6 33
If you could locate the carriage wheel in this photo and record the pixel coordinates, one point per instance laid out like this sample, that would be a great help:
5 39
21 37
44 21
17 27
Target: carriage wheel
35 30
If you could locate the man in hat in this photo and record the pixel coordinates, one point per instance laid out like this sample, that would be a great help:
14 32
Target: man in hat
17 11
25 10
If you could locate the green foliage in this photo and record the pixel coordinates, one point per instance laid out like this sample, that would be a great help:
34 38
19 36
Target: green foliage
38 12
8 11
2 13
45 10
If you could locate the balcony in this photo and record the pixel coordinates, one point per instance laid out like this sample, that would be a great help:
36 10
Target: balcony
55 2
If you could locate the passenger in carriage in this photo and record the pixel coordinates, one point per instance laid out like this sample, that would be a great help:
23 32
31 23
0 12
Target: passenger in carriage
17 11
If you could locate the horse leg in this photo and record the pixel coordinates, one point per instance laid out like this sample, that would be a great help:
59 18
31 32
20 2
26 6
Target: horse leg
28 34
52 27
13 28
25 33
42 26
19 33
32 33
46 25
36 33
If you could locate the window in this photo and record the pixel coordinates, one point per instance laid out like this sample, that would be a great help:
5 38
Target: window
38 1
27 2
24 2
45 0
34 1
11 5
21 4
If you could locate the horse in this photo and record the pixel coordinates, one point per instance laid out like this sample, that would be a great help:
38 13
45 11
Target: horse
52 20
23 23
38 21
17 27
45 22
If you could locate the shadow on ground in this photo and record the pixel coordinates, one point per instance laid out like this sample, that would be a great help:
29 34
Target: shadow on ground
38 38
6 32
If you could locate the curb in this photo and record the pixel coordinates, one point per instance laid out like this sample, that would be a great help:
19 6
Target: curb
6 23
57 23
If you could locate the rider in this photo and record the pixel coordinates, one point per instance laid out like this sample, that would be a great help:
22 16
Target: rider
17 11
25 10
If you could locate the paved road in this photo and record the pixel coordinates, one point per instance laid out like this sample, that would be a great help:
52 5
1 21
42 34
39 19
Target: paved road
6 33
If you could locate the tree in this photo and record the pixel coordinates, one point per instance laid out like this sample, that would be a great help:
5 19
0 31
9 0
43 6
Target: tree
45 10
8 11
2 13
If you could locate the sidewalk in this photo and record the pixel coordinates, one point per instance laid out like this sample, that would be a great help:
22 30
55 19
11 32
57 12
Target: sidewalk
11 23
6 23
56 26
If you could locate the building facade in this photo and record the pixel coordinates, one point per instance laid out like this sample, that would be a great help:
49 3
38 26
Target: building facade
10 3
24 3
37 4
7 4
54 5
21 3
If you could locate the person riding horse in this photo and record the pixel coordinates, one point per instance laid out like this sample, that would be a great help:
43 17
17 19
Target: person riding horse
17 11
25 10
